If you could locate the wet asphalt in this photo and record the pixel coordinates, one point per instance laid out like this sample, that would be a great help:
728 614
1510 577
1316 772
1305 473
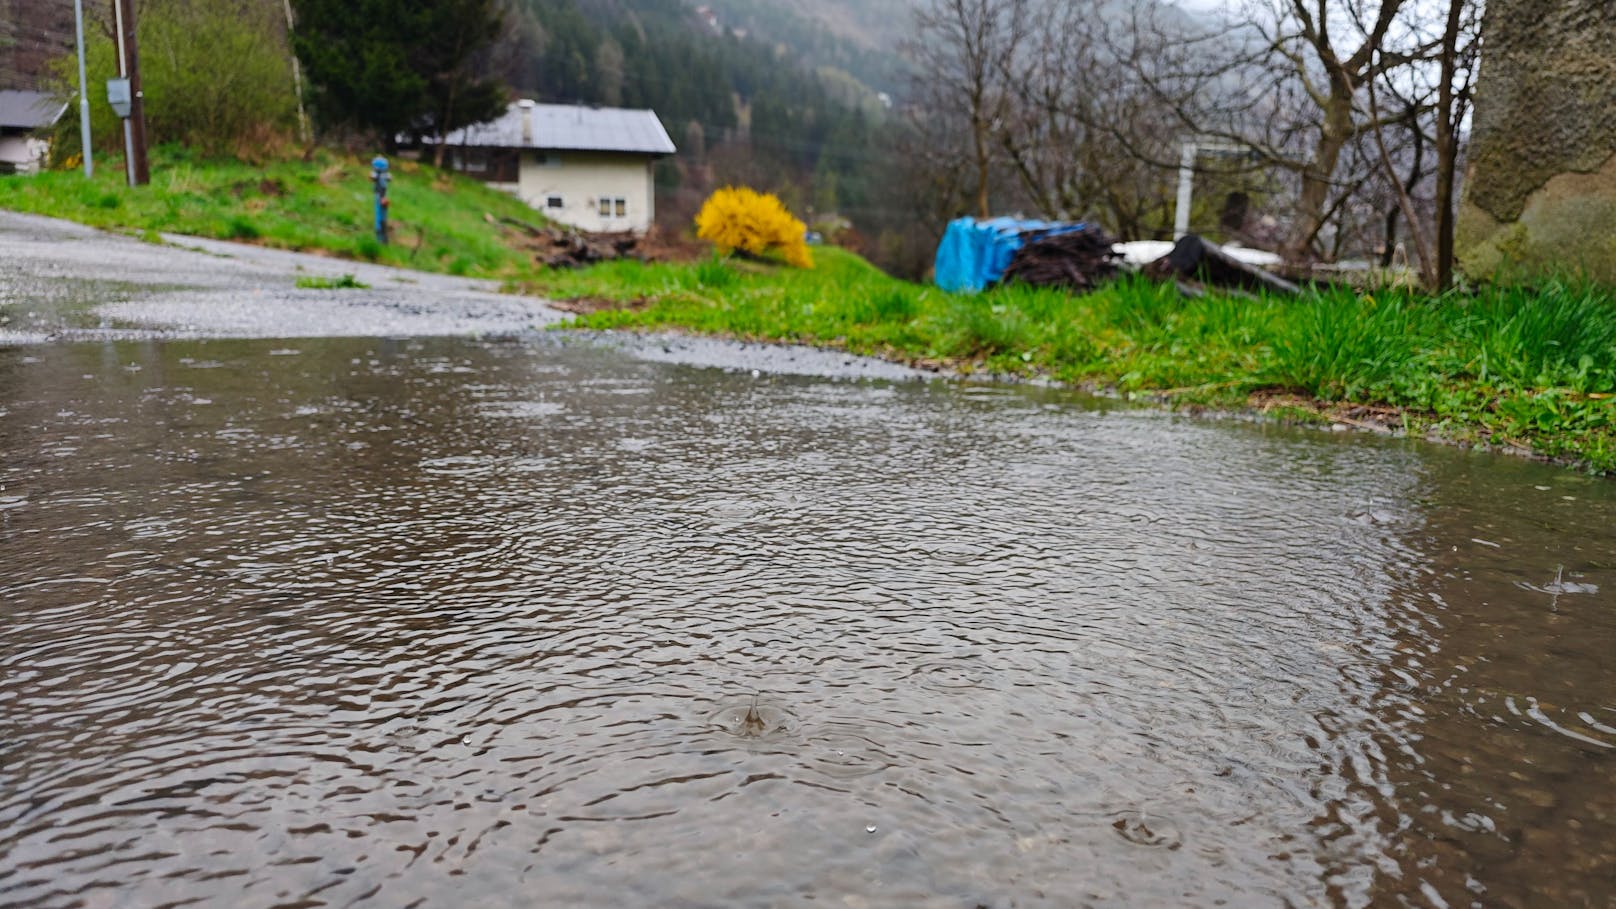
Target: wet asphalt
62 282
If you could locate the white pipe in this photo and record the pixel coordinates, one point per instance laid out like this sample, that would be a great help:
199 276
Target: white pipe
129 151
117 20
1186 185
84 94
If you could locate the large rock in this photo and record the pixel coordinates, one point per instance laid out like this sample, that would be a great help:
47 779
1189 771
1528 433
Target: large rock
1541 193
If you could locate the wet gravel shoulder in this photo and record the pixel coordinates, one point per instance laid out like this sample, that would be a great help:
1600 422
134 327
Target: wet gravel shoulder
65 282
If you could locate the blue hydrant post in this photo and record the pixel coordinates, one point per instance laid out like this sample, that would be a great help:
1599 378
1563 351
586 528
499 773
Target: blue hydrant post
379 178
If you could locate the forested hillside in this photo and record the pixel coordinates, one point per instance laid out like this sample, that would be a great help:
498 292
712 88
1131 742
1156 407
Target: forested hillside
31 33
860 39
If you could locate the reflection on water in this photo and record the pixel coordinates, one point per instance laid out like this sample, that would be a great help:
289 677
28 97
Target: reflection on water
453 623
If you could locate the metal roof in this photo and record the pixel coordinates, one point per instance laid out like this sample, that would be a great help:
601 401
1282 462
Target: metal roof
29 110
570 127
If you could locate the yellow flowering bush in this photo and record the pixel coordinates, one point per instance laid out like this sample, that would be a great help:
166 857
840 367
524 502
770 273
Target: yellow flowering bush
756 223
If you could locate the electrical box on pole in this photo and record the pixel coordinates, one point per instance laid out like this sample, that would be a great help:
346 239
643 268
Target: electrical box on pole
119 97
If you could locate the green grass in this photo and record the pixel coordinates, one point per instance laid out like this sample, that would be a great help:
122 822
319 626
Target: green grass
345 282
322 205
1521 367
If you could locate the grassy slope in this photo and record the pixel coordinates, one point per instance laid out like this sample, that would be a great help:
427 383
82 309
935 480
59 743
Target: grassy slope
1510 367
320 205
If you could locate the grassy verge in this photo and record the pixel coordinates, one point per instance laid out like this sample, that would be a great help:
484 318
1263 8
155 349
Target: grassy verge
320 205
1532 370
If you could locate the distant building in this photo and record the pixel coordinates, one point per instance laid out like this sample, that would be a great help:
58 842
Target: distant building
25 117
588 167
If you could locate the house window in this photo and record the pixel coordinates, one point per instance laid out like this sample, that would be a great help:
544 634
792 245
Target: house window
612 208
553 202
471 161
622 208
605 206
550 159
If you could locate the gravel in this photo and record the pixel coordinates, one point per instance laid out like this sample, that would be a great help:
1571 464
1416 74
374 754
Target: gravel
191 287
64 282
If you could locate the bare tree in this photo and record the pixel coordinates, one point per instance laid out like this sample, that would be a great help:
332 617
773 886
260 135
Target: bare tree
1456 73
964 48
1076 109
1020 104
1079 134
1286 79
1436 103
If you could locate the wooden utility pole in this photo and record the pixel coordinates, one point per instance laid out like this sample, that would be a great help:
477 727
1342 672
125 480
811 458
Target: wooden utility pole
129 68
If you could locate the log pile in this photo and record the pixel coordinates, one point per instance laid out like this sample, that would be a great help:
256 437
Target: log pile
1079 260
561 248
565 247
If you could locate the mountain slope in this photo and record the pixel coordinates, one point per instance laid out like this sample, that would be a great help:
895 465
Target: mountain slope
860 38
32 33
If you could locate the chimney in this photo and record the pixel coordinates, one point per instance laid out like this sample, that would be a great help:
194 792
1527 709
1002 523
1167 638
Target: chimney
527 120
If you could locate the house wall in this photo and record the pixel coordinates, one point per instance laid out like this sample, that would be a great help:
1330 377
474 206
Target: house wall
581 179
22 154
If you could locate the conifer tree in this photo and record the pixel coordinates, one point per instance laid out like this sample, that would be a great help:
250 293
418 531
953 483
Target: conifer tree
399 66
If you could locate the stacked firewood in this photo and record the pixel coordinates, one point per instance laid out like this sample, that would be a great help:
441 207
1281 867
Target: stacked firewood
1081 259
560 248
564 247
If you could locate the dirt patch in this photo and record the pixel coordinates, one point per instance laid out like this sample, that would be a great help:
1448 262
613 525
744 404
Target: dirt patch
583 306
268 187
662 246
1381 418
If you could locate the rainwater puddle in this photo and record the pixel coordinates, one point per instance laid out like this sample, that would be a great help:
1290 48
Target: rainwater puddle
532 622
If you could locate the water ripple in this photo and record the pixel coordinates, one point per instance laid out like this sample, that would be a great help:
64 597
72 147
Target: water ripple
431 623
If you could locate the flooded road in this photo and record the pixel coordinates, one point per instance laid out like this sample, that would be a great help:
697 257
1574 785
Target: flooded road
534 623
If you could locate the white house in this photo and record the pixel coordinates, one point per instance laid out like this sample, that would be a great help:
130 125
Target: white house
589 167
24 117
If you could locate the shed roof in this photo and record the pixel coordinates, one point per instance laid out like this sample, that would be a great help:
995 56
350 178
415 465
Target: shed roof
29 110
570 127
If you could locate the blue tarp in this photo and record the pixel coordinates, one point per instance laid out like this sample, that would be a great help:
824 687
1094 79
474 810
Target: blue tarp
974 254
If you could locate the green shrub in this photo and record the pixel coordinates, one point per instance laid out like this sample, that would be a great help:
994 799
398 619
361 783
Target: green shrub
715 274
216 77
240 228
1335 346
345 282
1557 334
893 306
